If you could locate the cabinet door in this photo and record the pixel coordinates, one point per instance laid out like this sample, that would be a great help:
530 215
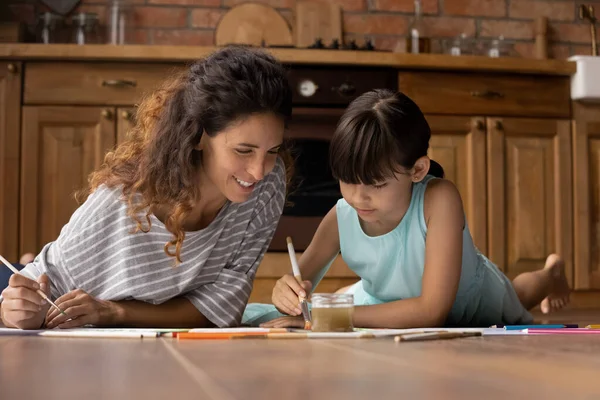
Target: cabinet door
125 118
61 147
586 150
530 193
10 103
458 144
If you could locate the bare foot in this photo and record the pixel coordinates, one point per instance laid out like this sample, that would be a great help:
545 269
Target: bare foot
26 258
559 287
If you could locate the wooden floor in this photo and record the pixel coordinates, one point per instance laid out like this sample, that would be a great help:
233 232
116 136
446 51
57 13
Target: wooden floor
517 367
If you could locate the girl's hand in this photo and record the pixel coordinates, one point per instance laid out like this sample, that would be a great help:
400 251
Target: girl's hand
23 307
284 322
286 292
82 309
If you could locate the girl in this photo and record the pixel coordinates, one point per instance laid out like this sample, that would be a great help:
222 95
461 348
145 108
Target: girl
402 230
200 184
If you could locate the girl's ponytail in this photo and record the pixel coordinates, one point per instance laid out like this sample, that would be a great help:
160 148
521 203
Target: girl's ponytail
435 169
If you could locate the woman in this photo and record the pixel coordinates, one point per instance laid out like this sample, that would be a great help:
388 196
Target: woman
179 217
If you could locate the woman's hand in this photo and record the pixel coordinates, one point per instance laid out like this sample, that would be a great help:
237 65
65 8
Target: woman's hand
286 292
82 309
284 322
22 306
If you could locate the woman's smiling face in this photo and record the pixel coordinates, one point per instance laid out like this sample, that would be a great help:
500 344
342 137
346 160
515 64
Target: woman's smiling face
240 156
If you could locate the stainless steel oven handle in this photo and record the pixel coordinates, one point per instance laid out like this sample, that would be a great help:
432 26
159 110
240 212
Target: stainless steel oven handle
345 89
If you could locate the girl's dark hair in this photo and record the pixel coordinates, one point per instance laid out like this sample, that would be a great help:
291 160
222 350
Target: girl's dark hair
379 131
158 163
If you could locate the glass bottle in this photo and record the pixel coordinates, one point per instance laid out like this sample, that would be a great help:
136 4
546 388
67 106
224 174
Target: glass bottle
418 40
119 22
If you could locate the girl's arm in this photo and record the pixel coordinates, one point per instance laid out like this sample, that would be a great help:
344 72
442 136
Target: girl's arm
323 248
444 217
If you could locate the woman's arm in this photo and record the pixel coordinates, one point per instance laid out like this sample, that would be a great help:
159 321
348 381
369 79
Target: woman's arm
444 217
178 312
85 309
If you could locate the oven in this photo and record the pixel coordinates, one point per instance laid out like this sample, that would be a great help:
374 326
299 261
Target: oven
320 96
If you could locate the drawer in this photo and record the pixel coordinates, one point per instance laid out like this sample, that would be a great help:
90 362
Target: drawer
487 94
93 83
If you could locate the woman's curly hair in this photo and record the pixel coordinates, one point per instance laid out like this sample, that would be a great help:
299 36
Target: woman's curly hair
157 165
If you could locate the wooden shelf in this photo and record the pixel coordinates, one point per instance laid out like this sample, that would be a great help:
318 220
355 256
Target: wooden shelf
296 56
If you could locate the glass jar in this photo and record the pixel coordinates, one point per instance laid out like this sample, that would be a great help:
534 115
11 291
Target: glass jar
50 28
500 48
119 22
460 46
85 28
332 312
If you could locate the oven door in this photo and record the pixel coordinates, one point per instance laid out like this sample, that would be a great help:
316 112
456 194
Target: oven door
314 191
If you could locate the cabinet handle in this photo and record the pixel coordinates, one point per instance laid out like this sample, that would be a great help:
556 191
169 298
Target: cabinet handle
479 125
487 94
127 115
107 114
12 68
499 126
119 83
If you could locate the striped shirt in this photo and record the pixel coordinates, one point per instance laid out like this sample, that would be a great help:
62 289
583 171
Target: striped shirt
97 252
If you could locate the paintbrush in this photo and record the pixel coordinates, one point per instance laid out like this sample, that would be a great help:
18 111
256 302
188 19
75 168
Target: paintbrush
39 291
296 271
410 337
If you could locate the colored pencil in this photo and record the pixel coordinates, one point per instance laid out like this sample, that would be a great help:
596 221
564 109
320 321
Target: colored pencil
288 335
542 326
216 335
313 335
567 331
109 334
593 326
239 330
434 336
39 291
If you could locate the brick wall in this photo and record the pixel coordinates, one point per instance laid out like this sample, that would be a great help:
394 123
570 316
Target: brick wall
192 22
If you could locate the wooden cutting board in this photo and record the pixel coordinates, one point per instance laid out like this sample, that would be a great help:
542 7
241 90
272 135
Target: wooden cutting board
251 23
315 19
62 7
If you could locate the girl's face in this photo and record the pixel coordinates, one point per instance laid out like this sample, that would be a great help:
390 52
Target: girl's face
387 200
378 202
237 158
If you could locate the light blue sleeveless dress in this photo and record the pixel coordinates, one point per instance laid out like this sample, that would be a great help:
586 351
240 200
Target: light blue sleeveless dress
391 268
